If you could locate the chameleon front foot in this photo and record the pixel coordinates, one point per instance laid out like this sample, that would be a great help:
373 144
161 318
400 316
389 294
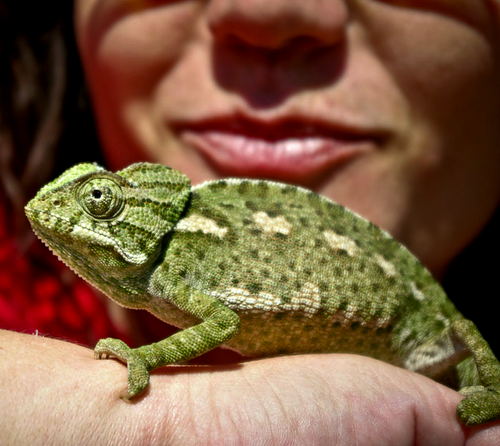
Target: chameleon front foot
481 405
138 374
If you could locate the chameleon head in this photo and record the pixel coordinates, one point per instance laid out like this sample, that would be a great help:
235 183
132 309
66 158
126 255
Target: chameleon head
109 224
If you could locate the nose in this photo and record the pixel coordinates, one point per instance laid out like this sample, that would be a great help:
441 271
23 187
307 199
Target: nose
274 24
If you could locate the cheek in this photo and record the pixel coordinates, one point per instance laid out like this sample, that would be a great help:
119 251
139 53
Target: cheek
444 65
447 70
127 49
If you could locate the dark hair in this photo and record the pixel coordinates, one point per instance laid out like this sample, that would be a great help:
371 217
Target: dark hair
471 281
43 100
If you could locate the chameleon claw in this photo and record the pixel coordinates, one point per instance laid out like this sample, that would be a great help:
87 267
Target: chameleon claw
112 347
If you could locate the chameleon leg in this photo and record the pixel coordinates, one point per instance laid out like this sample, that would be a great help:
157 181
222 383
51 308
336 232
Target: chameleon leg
219 325
454 345
482 402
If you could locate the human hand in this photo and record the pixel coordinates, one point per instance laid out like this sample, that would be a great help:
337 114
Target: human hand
309 399
312 399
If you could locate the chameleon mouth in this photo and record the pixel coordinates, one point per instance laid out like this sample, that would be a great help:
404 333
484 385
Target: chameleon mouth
288 151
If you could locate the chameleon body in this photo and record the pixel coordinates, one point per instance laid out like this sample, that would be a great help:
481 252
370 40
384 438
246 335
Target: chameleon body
261 267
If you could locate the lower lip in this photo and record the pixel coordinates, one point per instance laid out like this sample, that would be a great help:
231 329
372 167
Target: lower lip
292 159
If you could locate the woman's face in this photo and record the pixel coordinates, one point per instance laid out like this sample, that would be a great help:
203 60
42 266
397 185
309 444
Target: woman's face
391 108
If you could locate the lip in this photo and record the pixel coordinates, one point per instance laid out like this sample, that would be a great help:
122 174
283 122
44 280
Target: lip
295 150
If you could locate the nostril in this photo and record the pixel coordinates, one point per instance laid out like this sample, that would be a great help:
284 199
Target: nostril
57 203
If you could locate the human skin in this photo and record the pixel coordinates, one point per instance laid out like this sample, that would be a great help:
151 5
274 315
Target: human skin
403 101
57 394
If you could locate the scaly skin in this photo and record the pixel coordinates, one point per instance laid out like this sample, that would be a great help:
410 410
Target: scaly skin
261 267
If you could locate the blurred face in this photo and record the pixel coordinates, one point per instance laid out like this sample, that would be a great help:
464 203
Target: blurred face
391 108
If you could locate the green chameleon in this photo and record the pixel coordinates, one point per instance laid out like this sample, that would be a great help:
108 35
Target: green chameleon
261 267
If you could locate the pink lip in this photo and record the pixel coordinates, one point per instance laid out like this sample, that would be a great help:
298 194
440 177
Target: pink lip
289 151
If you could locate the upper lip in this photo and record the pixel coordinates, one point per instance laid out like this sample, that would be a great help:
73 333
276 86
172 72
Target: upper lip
283 127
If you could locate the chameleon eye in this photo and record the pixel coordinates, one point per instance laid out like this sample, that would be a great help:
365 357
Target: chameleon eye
101 198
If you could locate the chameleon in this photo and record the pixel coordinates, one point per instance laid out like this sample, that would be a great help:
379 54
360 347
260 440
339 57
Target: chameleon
260 267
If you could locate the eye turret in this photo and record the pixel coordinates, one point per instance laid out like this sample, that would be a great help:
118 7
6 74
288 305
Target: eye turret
101 198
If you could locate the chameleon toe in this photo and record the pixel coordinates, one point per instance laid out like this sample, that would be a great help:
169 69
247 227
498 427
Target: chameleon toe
481 407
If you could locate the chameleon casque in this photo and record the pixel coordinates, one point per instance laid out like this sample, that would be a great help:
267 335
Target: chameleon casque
261 267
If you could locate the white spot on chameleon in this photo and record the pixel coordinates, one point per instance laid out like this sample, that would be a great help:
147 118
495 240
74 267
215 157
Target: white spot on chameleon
423 358
339 242
441 317
272 225
407 339
387 267
234 298
206 225
307 300
265 303
417 294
